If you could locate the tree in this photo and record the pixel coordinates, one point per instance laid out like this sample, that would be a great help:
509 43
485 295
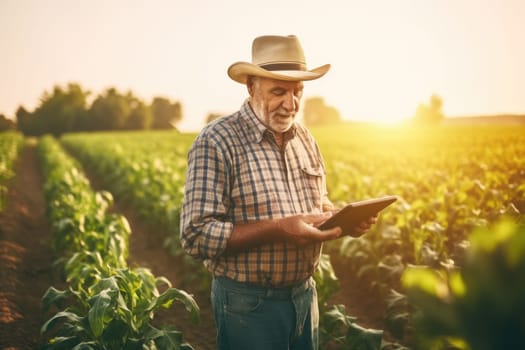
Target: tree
25 121
109 111
212 116
139 117
165 114
316 112
430 114
6 124
58 110
65 110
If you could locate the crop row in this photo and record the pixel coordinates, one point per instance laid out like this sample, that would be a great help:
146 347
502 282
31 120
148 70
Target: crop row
10 145
146 170
109 305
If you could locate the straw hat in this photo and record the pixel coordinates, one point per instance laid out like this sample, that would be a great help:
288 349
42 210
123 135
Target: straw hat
276 57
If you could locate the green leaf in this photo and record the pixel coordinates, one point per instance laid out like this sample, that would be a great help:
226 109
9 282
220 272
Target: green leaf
162 281
134 344
66 316
88 346
99 312
487 239
166 338
364 338
55 297
61 343
426 279
172 294
115 334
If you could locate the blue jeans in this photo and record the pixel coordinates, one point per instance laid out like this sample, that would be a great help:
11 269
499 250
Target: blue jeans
252 317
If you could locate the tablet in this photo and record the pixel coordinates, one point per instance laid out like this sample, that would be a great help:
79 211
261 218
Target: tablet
354 213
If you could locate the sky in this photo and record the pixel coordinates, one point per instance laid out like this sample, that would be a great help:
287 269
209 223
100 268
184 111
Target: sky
387 56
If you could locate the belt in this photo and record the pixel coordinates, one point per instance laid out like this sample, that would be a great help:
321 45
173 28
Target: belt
279 293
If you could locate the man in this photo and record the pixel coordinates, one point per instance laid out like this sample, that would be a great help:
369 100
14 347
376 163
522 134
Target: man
254 197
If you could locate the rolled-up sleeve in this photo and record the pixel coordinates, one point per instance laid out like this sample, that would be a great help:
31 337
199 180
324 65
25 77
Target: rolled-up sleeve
205 221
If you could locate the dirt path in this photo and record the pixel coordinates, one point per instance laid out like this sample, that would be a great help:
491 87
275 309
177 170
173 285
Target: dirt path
26 263
25 255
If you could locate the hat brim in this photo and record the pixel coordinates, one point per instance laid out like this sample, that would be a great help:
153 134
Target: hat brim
239 72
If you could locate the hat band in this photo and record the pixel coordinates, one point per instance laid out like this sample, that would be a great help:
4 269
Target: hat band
283 66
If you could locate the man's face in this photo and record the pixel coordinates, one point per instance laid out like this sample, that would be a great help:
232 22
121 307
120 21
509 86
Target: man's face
275 102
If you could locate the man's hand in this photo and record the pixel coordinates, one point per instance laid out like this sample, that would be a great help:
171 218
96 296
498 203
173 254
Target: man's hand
297 229
302 229
362 227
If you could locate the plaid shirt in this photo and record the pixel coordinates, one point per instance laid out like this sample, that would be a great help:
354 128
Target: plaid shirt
238 174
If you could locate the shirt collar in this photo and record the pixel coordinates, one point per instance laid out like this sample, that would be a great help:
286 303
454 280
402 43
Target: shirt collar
256 129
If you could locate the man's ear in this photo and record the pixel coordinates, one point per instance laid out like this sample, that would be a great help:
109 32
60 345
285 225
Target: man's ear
249 85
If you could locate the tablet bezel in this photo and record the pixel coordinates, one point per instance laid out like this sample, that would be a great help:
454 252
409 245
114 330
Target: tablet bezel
354 213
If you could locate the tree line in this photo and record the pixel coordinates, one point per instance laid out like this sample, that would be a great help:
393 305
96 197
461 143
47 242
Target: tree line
66 109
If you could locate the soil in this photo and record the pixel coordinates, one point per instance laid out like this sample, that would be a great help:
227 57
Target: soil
25 256
26 263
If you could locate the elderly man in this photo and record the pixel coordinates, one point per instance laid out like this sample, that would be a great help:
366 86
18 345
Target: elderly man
254 197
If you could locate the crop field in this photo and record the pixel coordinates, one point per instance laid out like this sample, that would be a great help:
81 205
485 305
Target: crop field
453 241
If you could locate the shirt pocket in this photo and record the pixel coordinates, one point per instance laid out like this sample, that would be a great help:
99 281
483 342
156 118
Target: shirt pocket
313 178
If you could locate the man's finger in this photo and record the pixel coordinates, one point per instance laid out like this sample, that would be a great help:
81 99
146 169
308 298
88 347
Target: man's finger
317 218
332 233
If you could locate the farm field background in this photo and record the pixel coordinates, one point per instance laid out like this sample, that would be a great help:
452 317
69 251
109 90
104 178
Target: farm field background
449 180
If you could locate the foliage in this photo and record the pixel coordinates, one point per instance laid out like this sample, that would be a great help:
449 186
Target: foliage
336 328
316 112
65 109
144 169
430 114
109 305
26 122
326 281
140 116
57 112
10 145
148 171
6 124
109 111
212 116
115 111
115 312
165 113
348 334
449 180
481 303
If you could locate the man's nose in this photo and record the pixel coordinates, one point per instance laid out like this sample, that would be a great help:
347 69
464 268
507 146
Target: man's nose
290 102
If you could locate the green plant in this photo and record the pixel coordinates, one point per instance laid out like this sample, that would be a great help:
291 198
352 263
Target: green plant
115 312
448 179
336 328
10 145
479 306
108 305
